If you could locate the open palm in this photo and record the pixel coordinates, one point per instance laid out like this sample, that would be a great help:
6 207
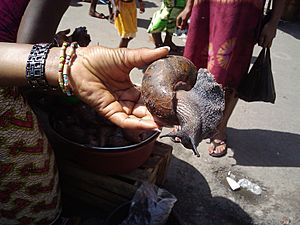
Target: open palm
100 76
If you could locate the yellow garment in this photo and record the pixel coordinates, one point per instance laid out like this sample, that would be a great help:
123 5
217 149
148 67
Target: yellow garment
126 21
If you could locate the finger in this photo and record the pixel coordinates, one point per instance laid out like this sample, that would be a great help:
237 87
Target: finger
127 106
141 111
131 122
143 56
67 31
270 44
183 24
261 40
266 43
179 22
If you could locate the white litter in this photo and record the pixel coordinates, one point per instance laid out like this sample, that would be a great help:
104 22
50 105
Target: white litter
233 184
247 184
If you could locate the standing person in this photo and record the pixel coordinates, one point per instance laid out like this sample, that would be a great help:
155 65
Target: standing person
221 38
164 20
125 19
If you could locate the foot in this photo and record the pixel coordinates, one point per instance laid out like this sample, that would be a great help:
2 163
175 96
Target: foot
111 19
176 139
174 48
98 15
218 147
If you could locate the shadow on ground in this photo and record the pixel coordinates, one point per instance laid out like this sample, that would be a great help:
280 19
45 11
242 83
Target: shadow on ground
143 23
76 3
292 28
149 4
195 203
255 147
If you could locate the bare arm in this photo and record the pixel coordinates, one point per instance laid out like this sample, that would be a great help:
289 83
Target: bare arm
103 84
40 20
269 30
183 17
13 60
278 6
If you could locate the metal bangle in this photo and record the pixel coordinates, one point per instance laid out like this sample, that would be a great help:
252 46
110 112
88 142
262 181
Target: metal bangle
35 67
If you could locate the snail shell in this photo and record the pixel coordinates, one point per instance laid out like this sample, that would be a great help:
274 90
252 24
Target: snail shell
161 81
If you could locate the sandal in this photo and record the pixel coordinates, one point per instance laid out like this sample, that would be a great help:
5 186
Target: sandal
176 139
214 144
98 15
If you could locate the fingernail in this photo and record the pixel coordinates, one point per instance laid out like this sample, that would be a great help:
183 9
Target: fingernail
157 130
165 47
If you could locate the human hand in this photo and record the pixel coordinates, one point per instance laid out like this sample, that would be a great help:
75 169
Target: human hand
100 77
267 35
79 35
61 36
182 19
142 7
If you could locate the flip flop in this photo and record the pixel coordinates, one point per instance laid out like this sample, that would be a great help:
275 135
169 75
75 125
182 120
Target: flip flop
176 139
98 15
216 143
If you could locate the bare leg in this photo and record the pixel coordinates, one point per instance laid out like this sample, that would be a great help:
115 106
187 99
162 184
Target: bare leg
124 42
168 41
157 39
174 48
111 14
93 11
219 144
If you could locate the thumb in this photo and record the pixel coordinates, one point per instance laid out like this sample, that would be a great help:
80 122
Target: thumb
143 56
179 21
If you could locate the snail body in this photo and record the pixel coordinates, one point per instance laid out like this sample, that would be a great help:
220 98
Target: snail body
178 94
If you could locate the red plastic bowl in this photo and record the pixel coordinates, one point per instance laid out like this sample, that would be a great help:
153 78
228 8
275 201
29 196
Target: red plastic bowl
102 160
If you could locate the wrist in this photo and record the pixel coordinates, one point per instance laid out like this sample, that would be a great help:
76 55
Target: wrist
76 69
59 67
274 22
51 66
36 66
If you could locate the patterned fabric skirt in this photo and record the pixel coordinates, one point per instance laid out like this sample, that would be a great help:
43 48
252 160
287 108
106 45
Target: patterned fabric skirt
126 21
221 37
165 18
29 192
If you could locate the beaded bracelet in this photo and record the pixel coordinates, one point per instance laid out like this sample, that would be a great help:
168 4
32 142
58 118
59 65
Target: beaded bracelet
61 64
66 69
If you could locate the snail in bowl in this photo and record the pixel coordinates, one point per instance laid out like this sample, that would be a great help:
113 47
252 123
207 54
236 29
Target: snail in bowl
177 94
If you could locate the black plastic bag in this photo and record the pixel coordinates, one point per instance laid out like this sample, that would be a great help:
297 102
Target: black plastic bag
150 206
258 84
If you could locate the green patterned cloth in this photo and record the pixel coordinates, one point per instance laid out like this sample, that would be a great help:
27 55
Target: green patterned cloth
165 18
